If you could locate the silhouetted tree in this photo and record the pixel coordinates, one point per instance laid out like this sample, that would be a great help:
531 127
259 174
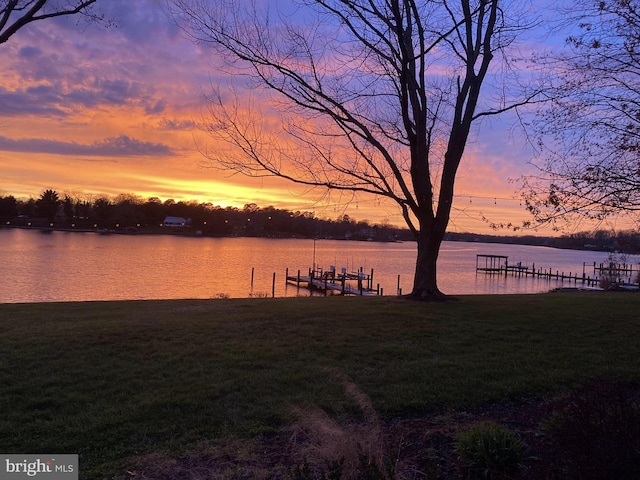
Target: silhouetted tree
126 211
28 208
153 211
376 97
103 211
68 209
82 209
48 205
590 134
8 208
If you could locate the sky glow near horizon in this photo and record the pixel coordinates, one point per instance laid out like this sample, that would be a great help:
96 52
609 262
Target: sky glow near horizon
90 111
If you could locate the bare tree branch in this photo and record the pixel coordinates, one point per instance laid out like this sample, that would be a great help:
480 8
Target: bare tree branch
365 92
589 136
15 14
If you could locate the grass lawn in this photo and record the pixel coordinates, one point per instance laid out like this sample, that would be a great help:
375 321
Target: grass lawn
112 380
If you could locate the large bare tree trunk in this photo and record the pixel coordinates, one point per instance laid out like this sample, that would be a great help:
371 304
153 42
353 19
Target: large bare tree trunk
419 68
425 285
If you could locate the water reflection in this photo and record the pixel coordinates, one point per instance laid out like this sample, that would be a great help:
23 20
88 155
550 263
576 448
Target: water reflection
65 266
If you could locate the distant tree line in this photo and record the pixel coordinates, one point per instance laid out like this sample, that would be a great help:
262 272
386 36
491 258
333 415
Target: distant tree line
129 214
601 240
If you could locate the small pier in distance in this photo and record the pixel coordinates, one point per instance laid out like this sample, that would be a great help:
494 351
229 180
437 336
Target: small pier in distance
622 276
342 283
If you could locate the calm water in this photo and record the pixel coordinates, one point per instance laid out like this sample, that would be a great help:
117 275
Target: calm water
61 266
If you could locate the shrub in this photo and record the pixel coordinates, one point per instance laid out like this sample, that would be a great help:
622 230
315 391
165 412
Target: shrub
594 433
490 450
343 450
259 295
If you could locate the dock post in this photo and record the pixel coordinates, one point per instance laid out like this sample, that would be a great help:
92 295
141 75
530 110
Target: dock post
371 280
298 278
286 275
399 289
252 269
273 286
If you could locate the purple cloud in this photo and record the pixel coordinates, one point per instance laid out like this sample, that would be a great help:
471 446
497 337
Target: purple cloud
174 125
55 99
29 102
29 52
122 146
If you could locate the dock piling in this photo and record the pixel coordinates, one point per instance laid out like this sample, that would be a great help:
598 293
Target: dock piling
499 265
331 281
273 286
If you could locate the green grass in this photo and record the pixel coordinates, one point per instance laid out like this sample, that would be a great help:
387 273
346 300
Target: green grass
111 380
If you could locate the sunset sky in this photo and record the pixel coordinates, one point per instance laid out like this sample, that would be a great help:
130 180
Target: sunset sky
89 110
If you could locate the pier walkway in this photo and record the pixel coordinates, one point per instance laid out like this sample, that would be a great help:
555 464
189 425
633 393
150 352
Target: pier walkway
344 283
622 275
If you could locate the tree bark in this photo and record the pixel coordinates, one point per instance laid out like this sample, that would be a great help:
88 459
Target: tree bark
425 284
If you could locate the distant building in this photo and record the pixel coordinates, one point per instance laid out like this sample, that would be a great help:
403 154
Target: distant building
176 222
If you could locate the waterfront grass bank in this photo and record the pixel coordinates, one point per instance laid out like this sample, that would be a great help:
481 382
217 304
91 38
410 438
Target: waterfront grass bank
114 380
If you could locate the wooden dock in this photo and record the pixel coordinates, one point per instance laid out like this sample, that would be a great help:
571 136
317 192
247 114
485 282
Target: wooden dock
622 275
342 283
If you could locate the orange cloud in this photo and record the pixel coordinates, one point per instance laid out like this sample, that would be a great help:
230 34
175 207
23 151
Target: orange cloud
110 111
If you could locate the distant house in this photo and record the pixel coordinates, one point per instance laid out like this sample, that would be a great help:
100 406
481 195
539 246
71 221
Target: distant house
174 222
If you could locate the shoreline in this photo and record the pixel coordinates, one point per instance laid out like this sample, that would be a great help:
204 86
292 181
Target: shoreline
178 232
193 233
390 298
